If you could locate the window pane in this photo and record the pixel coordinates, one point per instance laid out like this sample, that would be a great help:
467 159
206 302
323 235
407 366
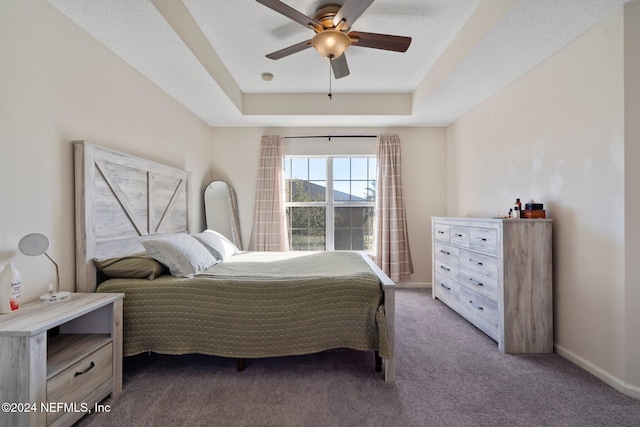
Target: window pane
342 217
341 168
357 240
318 191
307 228
317 239
299 191
359 168
371 191
318 169
341 190
359 191
342 239
287 168
299 218
353 228
299 240
317 217
372 168
300 168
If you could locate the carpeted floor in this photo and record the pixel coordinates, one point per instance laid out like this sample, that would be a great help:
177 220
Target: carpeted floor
448 374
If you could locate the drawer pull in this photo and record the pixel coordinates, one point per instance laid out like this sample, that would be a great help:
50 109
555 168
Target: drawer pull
474 262
445 252
484 239
85 371
440 232
475 305
446 287
475 282
445 268
458 235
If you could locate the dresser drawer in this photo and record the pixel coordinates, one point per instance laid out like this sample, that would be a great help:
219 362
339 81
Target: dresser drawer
441 232
450 269
447 290
459 236
483 239
78 381
479 272
446 253
479 310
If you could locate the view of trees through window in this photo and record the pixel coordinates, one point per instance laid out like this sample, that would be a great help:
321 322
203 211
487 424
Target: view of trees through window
330 202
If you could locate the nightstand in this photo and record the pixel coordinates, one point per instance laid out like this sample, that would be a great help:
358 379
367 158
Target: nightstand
58 360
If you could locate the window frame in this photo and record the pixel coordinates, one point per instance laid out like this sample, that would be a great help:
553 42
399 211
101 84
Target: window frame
329 204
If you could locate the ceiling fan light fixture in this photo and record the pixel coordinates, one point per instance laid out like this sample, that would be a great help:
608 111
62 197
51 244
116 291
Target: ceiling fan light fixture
331 43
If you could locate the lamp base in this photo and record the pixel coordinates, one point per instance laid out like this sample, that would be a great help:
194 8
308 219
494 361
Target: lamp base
55 297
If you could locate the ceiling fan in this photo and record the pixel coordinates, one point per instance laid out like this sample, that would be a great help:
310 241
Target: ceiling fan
332 22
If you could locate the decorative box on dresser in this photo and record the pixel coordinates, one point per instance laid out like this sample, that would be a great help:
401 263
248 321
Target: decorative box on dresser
58 360
497 274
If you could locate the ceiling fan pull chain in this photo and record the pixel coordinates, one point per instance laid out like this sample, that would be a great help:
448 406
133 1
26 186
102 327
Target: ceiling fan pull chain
330 94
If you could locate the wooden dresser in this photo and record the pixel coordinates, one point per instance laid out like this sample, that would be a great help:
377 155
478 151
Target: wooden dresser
497 274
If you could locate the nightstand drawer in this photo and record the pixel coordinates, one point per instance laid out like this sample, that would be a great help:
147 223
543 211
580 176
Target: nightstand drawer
78 381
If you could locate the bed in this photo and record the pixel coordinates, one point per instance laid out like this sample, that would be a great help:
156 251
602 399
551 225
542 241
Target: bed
254 304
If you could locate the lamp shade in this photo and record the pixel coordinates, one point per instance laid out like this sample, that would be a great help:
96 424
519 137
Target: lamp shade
331 43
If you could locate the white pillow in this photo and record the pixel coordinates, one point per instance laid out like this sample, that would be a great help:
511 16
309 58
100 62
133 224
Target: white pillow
217 244
184 256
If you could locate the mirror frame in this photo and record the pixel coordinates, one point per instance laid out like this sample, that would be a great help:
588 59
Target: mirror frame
231 205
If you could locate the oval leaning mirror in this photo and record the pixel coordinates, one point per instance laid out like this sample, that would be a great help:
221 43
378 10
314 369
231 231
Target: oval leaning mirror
221 211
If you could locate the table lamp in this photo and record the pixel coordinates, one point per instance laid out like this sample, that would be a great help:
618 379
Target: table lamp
36 244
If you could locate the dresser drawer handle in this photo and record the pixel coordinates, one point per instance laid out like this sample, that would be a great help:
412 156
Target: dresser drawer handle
458 235
446 287
445 252
85 371
474 262
484 239
475 305
475 282
440 232
445 268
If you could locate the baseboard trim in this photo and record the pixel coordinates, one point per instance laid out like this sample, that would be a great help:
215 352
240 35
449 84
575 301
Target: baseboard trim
604 376
424 285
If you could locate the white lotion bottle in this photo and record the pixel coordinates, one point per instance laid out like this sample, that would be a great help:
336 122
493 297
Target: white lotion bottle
10 282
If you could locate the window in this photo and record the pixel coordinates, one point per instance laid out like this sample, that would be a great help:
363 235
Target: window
330 202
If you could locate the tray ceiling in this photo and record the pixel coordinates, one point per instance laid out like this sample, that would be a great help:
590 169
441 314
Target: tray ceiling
209 56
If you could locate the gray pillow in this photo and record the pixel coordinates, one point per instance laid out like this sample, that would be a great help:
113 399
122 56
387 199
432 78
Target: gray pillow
183 254
219 246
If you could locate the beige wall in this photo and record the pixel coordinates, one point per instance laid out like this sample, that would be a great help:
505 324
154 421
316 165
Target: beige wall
632 190
557 135
235 159
58 84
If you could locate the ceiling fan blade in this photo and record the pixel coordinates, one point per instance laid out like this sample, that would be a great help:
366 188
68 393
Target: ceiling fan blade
290 50
380 41
350 11
291 13
340 67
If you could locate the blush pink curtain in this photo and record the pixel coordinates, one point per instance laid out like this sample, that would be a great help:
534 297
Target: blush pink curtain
391 238
269 221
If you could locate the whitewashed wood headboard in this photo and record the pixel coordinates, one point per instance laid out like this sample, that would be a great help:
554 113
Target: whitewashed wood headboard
120 199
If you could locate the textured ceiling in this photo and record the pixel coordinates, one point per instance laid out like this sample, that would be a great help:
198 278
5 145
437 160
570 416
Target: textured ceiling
209 56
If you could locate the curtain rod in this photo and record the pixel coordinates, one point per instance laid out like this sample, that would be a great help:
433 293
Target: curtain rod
330 136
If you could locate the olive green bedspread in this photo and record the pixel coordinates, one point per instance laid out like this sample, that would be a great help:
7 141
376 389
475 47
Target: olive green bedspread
257 304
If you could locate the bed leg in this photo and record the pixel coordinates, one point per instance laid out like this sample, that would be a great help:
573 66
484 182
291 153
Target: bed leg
378 362
240 364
